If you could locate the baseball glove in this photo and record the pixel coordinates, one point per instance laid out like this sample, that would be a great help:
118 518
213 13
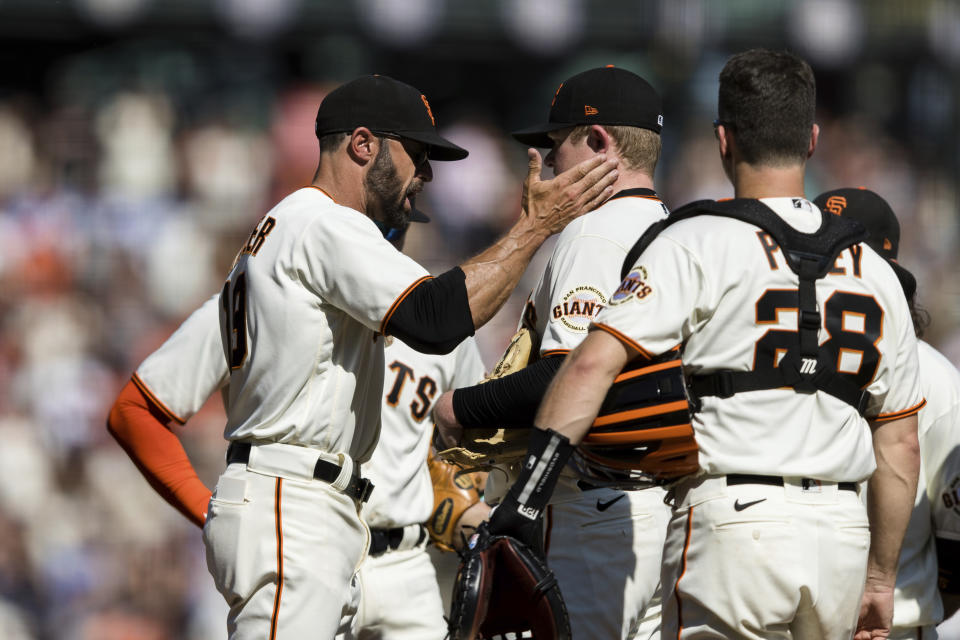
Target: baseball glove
503 587
482 448
453 493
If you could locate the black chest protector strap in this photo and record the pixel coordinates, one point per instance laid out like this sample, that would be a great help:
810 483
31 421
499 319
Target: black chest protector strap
811 256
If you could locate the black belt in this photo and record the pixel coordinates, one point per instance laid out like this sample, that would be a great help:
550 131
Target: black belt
743 478
358 488
383 540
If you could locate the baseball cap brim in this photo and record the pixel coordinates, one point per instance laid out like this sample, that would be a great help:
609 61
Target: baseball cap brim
418 216
536 136
439 147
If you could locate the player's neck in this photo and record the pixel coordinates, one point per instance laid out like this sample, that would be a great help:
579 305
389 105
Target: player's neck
751 181
630 179
341 184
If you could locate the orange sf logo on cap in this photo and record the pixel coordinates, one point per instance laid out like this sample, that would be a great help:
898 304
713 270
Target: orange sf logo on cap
554 101
589 111
836 204
429 112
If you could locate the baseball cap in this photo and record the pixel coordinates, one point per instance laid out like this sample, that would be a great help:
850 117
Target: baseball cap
384 105
882 226
606 95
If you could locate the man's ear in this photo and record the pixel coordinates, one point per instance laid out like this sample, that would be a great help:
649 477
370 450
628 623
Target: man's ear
362 145
814 137
724 141
599 139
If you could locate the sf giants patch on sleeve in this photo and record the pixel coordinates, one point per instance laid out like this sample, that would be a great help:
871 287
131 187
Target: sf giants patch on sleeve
578 308
635 286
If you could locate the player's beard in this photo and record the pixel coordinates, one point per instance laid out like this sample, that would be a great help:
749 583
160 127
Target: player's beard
386 195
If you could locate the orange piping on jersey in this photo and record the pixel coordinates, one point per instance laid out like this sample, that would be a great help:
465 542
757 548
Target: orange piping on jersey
906 413
276 600
645 370
670 407
396 303
683 571
624 339
313 186
554 352
146 391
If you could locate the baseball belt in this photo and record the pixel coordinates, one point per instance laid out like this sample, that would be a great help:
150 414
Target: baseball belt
358 488
396 539
743 478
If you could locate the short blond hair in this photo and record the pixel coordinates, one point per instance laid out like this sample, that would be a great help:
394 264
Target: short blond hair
639 148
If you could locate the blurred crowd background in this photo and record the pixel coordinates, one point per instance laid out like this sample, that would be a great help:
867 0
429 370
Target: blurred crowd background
140 140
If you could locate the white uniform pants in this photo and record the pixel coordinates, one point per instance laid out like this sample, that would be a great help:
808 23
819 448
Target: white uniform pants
605 547
283 552
400 599
764 561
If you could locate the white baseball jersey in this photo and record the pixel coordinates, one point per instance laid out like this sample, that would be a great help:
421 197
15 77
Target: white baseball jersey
732 305
302 308
603 545
189 367
403 491
936 513
582 271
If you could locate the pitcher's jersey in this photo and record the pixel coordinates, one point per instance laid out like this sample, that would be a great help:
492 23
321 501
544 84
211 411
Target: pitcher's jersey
585 267
302 307
189 367
582 271
403 491
936 513
721 288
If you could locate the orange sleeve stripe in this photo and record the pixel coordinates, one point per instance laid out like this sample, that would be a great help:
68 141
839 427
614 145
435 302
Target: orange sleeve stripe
554 352
396 303
630 342
906 413
155 400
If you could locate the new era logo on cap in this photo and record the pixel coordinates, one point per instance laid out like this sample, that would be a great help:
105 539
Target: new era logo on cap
590 111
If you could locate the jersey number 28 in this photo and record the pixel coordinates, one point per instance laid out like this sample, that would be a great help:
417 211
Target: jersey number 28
853 322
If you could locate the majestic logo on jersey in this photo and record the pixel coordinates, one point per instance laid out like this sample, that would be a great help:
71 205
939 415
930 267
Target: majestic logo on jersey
635 285
579 307
836 205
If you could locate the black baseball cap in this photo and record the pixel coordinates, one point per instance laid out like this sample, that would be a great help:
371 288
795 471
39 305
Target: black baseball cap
882 226
606 95
384 105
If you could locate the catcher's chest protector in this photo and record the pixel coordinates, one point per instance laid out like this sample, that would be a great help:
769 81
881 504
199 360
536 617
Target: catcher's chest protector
805 368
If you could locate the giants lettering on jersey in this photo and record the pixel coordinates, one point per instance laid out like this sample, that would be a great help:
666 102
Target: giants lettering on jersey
578 308
635 285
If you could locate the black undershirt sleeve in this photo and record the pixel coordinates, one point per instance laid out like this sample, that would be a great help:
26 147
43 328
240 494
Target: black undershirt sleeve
510 401
434 317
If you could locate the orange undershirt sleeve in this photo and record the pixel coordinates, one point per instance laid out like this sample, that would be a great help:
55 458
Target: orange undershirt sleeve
141 429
